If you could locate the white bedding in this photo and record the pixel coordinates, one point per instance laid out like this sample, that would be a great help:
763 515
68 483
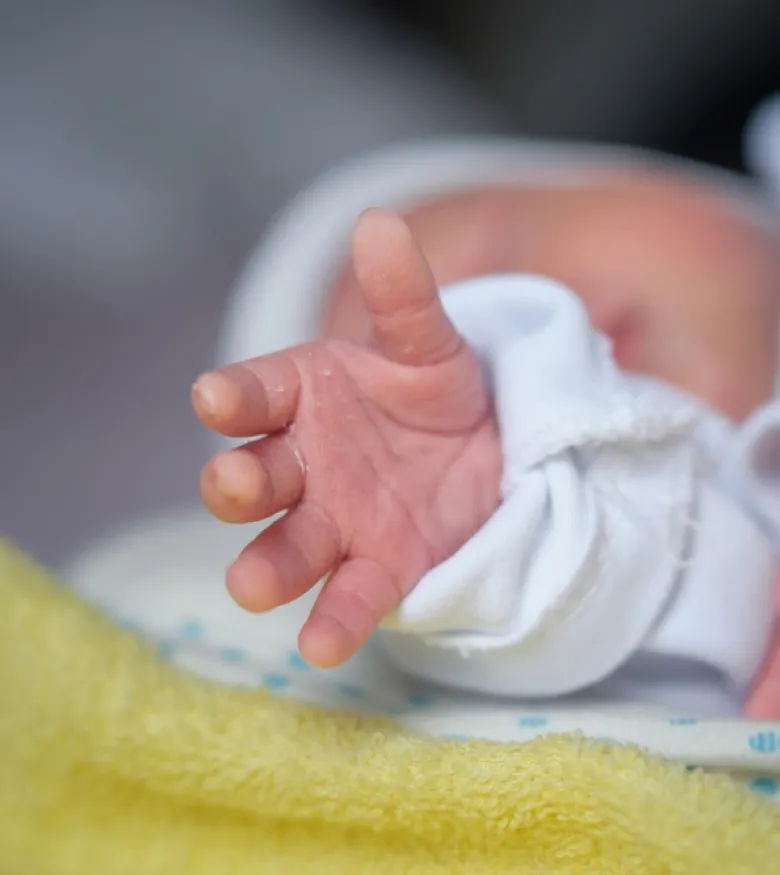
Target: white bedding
164 578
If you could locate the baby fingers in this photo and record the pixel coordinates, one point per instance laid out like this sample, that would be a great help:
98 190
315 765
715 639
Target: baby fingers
253 482
255 397
409 324
351 605
285 560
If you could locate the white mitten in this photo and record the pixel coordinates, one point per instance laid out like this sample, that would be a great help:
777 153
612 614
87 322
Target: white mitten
613 537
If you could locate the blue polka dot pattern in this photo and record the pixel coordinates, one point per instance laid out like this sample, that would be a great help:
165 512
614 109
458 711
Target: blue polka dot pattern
296 661
352 692
532 722
192 629
397 711
276 681
765 742
419 700
233 654
765 785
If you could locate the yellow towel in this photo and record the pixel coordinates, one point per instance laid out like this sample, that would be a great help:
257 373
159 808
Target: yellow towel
112 762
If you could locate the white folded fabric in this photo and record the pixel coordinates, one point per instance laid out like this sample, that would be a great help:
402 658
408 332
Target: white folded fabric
751 468
682 569
614 537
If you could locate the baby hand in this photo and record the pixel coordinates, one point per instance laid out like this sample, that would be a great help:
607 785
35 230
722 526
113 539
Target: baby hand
385 457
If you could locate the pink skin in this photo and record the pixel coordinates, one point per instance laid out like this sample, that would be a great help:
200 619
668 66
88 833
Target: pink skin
684 288
388 455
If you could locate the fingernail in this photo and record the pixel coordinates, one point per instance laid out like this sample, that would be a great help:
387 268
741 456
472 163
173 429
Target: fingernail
204 397
230 480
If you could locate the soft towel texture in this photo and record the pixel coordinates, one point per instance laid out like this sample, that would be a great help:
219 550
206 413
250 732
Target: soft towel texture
112 762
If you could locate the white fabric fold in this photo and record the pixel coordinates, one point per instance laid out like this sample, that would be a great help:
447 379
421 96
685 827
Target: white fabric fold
609 518
751 467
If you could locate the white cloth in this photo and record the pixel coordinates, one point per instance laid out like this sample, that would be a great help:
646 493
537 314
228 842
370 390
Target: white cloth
613 538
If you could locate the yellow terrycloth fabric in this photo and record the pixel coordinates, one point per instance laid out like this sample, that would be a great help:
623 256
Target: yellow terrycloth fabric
112 762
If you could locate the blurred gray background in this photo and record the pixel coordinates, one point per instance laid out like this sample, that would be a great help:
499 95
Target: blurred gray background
144 145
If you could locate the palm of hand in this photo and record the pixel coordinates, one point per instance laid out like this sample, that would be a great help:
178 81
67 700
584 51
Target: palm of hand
386 457
398 457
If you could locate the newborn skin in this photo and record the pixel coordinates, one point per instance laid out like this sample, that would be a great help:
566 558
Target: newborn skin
685 287
387 454
375 430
